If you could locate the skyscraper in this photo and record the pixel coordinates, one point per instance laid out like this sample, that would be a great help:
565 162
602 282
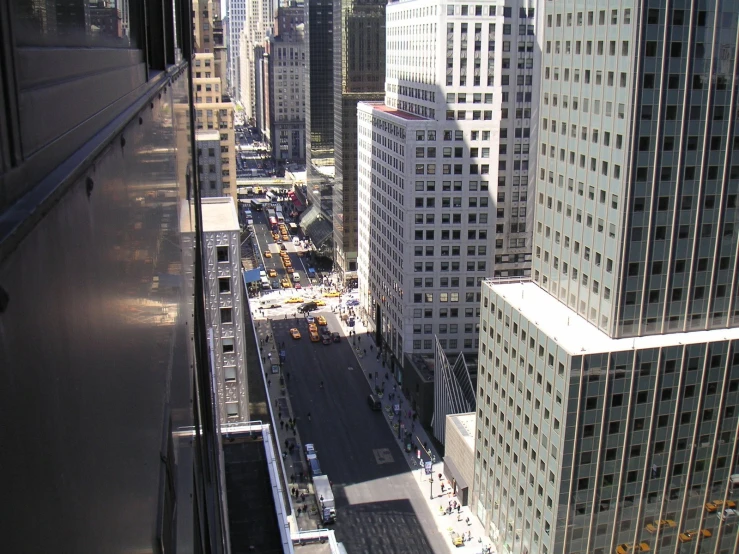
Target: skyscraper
236 23
319 106
359 75
444 170
286 84
257 28
608 391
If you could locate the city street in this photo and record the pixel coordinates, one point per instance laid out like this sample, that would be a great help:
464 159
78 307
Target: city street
380 506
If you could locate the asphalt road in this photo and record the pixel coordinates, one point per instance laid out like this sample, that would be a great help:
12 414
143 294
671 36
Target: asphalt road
380 507
264 239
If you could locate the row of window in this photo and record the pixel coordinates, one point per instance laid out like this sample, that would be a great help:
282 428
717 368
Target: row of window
580 17
472 250
469 344
430 267
600 47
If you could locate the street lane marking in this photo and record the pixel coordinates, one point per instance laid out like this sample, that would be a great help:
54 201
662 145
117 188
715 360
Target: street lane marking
383 456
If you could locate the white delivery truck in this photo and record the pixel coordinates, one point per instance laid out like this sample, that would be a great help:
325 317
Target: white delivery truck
325 498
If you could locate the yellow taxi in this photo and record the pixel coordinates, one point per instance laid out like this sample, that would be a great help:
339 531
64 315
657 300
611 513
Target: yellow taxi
289 269
272 273
286 284
332 294
267 254
286 237
294 300
321 321
719 504
287 263
319 302
628 548
275 236
312 327
294 333
314 336
661 524
688 536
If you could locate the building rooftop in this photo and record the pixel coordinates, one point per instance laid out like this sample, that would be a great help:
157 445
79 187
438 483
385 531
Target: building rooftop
578 336
466 425
219 214
208 135
381 107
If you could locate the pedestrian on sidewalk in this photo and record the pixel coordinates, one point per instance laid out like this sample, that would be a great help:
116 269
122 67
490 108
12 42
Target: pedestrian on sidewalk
287 443
302 497
299 510
309 416
282 425
269 382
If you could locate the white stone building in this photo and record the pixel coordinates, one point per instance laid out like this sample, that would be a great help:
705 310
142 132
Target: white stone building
225 305
608 385
445 168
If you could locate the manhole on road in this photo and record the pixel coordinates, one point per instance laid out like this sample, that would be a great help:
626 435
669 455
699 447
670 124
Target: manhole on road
383 456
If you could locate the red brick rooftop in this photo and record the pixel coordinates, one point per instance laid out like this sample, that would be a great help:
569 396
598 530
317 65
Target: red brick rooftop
381 107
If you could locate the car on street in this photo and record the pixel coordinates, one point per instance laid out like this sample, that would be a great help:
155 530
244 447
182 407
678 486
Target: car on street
294 333
297 285
319 302
315 467
661 524
275 283
286 284
310 319
266 306
267 254
314 336
326 339
332 294
309 449
688 536
718 504
321 321
272 273
283 247
336 337
352 302
308 307
294 300
629 547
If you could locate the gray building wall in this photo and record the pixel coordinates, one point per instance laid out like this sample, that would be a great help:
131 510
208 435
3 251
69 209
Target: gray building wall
209 163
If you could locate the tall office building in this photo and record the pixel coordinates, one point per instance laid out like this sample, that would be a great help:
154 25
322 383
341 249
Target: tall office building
608 387
285 80
444 170
237 14
359 76
319 113
257 29
214 109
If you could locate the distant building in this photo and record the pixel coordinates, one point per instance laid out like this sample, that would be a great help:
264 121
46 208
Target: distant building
444 169
319 120
212 113
359 76
208 144
286 85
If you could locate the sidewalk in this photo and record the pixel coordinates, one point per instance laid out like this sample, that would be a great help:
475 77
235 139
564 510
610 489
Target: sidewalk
289 443
460 523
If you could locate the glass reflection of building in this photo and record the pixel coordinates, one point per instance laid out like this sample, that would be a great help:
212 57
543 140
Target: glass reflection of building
609 386
108 399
